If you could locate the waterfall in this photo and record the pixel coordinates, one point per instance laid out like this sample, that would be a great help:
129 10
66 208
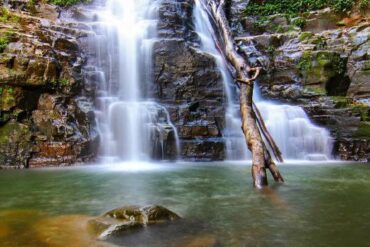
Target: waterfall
133 127
292 130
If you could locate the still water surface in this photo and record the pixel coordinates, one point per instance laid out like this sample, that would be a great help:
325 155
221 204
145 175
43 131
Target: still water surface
320 205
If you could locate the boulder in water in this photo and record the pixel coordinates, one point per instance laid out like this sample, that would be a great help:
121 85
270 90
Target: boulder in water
125 219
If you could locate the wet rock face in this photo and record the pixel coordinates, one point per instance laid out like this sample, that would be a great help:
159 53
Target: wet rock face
323 68
41 88
188 83
15 144
354 150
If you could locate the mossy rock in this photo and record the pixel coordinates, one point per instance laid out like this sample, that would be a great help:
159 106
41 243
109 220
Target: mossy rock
318 67
314 90
362 110
341 101
9 97
122 220
305 36
363 130
15 144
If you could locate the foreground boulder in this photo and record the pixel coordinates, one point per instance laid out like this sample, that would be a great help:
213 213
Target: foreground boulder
126 219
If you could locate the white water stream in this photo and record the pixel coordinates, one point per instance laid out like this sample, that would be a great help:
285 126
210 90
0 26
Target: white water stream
133 128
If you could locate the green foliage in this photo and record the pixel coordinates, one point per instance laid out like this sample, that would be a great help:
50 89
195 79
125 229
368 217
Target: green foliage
295 7
261 22
63 82
362 110
320 43
316 90
305 36
342 5
341 101
364 4
279 29
5 38
7 17
31 6
7 97
363 130
298 22
305 62
339 65
271 49
67 3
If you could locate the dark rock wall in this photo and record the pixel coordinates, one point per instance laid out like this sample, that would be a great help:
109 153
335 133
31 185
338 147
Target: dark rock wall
322 67
44 117
188 83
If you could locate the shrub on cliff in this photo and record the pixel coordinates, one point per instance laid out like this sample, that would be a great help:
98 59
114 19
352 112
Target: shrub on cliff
294 7
67 3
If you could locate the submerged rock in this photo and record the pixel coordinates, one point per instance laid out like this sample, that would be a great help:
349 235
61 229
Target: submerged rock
125 219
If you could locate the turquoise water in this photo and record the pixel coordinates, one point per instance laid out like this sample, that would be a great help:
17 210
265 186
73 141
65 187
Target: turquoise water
319 205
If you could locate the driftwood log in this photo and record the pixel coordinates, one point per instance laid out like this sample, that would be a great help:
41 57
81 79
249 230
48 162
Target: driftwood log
252 122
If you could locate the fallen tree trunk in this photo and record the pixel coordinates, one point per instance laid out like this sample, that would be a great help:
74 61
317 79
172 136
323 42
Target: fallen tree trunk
275 149
261 158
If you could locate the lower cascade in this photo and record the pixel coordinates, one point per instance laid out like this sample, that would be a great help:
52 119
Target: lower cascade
296 136
133 128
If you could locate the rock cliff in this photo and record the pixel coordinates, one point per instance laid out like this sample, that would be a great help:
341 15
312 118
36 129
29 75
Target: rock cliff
322 64
188 83
45 117
47 88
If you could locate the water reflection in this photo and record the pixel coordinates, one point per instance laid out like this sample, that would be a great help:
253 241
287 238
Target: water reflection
321 205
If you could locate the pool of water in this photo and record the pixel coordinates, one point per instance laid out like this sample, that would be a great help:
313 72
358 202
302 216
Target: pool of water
319 205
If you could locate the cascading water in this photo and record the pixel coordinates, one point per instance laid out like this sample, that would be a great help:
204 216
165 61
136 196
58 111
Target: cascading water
132 127
235 143
290 126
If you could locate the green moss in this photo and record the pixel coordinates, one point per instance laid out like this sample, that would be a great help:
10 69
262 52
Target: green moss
63 82
5 39
315 90
279 29
271 49
305 36
364 4
7 98
11 130
261 22
339 65
342 101
362 110
320 43
305 63
298 22
324 58
363 130
319 67
7 17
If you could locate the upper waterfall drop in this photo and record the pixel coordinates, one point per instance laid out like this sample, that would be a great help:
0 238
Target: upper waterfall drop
133 127
292 130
